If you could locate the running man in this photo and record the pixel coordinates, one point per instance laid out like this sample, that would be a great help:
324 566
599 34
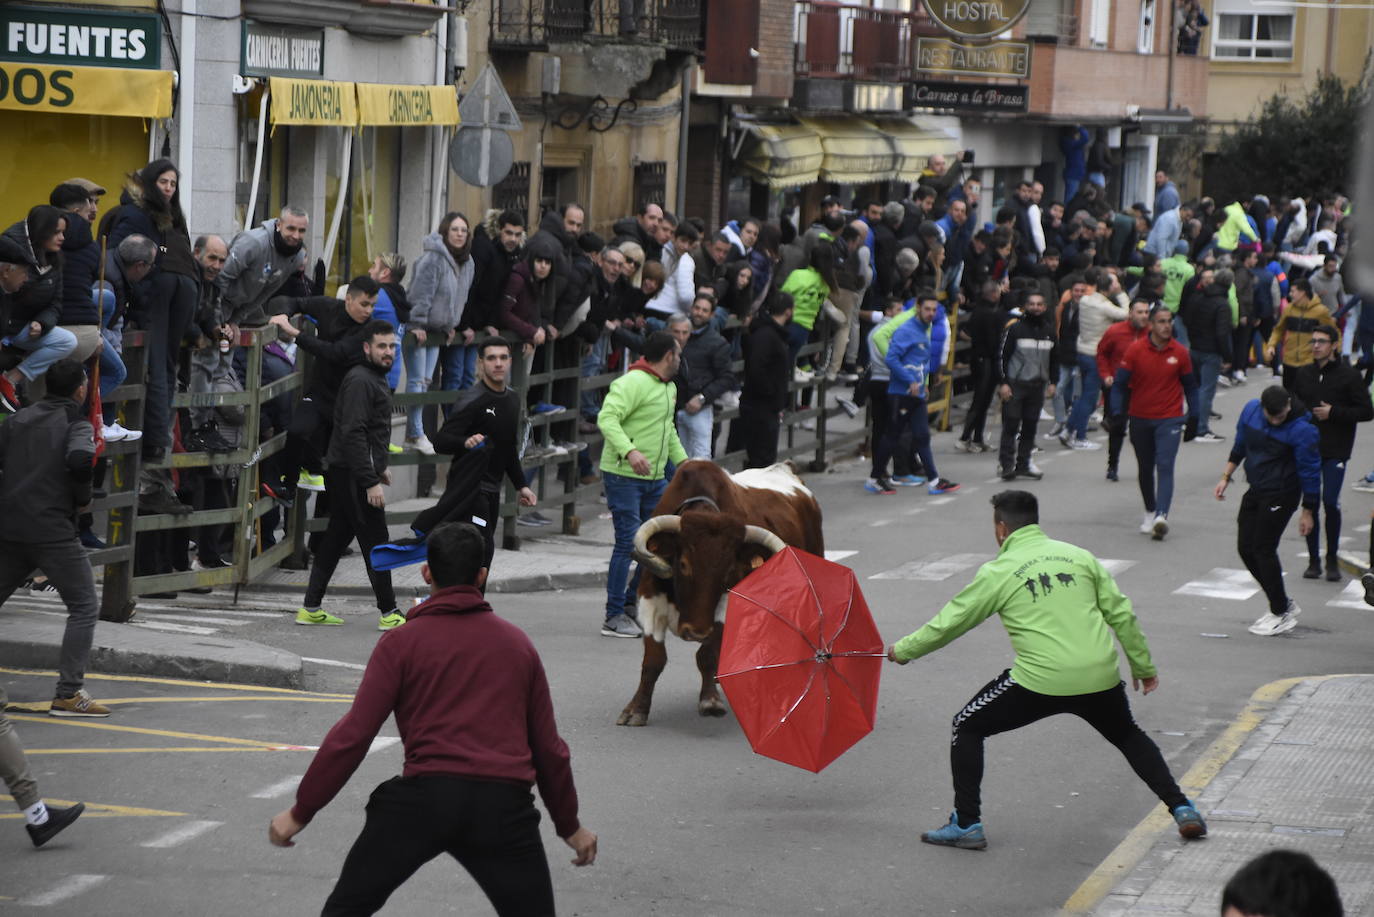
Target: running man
1065 662
1153 381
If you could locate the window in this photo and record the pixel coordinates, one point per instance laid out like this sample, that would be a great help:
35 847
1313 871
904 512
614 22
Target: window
1099 23
651 184
1253 36
513 191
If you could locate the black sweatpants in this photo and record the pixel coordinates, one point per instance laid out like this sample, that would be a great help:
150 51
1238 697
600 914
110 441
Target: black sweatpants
1116 426
1259 527
1003 705
1020 414
760 427
350 517
491 828
983 372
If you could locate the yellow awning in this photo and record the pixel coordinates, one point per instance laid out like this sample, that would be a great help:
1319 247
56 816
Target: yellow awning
87 90
916 142
782 155
318 102
402 106
856 152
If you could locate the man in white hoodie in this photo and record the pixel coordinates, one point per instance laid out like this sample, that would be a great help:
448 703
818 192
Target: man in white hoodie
1096 313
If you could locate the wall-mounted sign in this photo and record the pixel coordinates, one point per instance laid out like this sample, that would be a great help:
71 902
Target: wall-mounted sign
88 39
998 58
985 97
976 18
275 50
123 91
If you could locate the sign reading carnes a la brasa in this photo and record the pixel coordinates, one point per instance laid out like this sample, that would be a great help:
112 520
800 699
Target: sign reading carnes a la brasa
86 90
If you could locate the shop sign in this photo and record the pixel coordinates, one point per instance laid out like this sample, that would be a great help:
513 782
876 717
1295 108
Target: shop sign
86 90
876 97
403 106
998 58
319 102
976 18
985 97
80 37
274 50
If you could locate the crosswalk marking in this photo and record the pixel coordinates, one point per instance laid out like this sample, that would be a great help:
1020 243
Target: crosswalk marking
934 567
837 556
280 788
178 836
1222 583
175 628
1352 596
69 887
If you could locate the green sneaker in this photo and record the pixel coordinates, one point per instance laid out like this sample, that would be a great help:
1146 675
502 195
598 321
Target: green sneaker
390 620
394 448
316 617
308 481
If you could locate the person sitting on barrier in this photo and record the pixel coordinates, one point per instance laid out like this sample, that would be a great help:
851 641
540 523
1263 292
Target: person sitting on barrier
31 339
340 328
80 268
47 452
357 470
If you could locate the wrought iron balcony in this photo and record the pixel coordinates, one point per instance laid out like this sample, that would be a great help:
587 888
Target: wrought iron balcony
534 24
848 41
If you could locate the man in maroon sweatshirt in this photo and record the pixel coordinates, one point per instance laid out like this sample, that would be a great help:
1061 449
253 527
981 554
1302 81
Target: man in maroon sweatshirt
476 720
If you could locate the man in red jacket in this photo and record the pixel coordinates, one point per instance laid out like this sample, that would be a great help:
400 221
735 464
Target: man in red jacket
1110 352
457 678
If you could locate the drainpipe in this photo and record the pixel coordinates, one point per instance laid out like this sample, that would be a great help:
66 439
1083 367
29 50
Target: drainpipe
1173 49
186 127
684 125
1331 39
441 78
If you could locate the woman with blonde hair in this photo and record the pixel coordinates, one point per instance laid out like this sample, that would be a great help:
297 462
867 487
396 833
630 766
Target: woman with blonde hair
634 262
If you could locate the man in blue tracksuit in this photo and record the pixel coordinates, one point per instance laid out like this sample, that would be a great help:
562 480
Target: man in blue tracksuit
908 362
1277 442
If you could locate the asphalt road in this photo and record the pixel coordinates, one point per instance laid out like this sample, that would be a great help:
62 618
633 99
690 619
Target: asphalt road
691 821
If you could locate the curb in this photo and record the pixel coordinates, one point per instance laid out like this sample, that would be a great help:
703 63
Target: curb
533 582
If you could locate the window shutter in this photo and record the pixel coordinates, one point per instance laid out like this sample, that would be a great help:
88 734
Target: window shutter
732 28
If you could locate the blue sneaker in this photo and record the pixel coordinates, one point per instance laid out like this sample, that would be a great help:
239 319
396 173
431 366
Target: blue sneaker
544 407
908 480
1190 823
951 835
879 486
941 486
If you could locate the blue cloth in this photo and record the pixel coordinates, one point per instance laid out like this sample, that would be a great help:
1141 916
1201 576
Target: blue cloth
908 355
631 501
1156 448
1086 402
1075 150
391 556
386 311
1279 459
1166 198
1208 367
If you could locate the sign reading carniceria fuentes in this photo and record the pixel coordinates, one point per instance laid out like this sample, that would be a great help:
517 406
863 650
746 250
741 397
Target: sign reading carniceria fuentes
976 19
273 50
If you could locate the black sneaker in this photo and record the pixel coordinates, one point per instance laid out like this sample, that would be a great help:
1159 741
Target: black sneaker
1030 471
1313 571
207 438
1333 573
159 502
1111 473
58 819
1367 581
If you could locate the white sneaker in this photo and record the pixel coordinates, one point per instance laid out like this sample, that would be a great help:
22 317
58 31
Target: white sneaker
802 376
1084 445
1208 437
420 444
115 433
1147 524
1046 415
1240 376
1159 527
1224 381
1272 624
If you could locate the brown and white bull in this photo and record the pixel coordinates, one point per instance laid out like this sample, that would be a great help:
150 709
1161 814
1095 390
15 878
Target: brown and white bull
708 531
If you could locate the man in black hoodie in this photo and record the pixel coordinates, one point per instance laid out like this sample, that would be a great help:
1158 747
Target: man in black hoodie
357 471
80 269
767 372
47 452
1208 320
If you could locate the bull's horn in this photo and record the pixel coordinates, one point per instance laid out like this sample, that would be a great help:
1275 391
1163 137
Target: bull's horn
656 564
754 534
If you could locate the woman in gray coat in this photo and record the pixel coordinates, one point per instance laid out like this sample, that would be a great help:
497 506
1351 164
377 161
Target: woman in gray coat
435 334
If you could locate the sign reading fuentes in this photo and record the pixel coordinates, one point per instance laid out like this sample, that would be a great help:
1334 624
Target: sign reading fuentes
77 37
971 96
272 50
976 18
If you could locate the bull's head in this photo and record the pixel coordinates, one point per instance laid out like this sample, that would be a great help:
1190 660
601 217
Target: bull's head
703 554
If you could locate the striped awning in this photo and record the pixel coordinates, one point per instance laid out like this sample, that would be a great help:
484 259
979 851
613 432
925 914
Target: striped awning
856 152
781 155
915 142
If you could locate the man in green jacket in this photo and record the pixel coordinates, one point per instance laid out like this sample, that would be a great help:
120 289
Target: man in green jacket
641 441
1060 607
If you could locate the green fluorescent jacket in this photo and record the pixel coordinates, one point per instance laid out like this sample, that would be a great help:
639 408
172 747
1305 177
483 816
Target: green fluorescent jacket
1057 603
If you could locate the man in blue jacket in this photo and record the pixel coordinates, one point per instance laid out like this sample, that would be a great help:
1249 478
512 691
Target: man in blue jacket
908 361
1277 442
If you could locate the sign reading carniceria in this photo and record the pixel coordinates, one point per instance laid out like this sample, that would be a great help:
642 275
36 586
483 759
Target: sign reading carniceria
977 19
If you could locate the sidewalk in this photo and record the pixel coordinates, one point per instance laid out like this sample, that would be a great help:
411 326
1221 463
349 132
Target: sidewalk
1294 771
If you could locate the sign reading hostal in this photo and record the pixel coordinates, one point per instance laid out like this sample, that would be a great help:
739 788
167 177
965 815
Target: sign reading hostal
976 18
88 39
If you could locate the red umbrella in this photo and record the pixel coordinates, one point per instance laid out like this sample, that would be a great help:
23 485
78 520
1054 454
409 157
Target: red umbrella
800 659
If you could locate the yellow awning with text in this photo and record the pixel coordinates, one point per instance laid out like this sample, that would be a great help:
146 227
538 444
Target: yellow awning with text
856 152
86 90
781 155
318 102
380 104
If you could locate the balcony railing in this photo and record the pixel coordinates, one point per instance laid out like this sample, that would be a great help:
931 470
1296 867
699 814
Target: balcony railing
858 42
527 24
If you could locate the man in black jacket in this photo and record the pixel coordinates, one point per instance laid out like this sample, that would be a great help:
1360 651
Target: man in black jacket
1208 320
485 416
1338 400
340 328
767 372
357 470
497 246
47 451
706 366
80 269
1026 371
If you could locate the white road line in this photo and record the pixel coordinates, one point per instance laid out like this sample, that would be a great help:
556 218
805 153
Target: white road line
1116 567
836 556
880 522
939 501
1352 596
176 628
202 619
914 510
280 788
178 836
1222 583
334 662
934 568
382 742
69 887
